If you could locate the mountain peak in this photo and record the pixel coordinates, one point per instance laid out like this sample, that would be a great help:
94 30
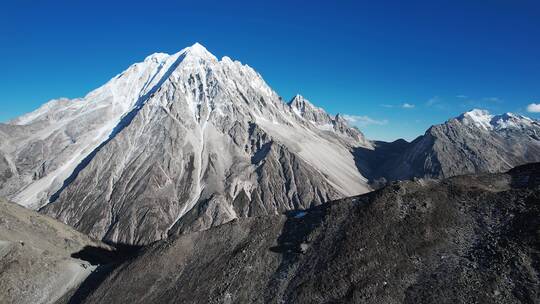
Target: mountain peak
301 104
478 117
340 118
477 112
485 120
305 109
511 120
156 57
197 47
199 51
296 99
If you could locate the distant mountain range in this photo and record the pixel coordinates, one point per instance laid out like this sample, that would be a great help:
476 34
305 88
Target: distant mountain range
183 142
474 142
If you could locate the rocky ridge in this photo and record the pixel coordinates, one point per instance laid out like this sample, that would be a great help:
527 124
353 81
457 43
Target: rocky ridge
466 239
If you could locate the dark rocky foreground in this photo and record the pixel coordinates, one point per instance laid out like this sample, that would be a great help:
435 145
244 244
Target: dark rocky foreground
467 239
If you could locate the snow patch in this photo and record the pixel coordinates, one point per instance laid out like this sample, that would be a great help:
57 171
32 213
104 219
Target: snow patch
325 127
511 121
479 118
486 121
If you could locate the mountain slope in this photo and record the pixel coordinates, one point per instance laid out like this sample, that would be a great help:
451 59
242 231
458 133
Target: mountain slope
36 256
476 141
323 121
467 239
175 135
42 148
184 142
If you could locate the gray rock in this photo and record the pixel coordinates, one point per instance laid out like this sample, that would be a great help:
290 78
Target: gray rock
38 256
467 239
474 142
324 121
183 142
175 136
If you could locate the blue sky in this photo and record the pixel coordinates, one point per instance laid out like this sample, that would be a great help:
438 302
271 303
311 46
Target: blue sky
395 67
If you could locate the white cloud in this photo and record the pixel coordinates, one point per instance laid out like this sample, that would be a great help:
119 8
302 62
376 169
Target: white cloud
433 101
437 103
493 99
363 121
404 106
533 108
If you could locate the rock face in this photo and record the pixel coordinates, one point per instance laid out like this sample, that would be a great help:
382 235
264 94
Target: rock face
467 239
183 141
474 142
37 263
43 148
323 121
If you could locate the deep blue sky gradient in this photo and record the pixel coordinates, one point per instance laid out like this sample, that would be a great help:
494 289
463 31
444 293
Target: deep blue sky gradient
363 59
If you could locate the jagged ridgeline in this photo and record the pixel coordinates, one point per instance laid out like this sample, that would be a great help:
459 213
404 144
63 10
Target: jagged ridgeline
184 142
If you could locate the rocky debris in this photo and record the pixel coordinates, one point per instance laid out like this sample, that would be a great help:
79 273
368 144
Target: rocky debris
40 258
466 239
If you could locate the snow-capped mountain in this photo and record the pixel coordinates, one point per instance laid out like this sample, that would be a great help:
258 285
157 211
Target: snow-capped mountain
176 143
183 142
40 150
507 121
476 141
